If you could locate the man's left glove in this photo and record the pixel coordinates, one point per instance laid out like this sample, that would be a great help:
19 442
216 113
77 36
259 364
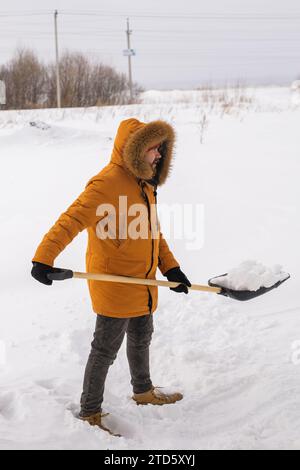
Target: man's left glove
176 275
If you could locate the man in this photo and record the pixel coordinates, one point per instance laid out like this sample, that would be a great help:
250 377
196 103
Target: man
140 162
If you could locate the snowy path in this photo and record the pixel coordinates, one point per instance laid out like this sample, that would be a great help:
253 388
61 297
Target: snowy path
241 389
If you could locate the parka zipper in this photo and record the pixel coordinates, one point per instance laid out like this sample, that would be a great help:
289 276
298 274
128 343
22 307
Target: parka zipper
155 195
150 300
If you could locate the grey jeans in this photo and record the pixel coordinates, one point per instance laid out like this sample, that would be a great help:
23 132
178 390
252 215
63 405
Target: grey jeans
108 337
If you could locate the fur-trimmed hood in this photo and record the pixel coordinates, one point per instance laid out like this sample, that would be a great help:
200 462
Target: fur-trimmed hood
132 141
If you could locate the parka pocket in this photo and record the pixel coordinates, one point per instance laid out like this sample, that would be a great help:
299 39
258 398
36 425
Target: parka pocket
125 267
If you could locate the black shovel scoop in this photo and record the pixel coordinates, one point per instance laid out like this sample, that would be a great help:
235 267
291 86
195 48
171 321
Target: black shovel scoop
243 294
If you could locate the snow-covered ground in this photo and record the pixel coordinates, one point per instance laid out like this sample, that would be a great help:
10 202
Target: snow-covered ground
238 364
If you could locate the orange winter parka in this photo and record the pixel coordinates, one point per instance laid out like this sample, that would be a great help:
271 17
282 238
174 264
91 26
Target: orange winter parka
125 182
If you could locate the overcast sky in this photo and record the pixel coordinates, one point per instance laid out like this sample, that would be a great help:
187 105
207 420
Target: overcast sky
178 43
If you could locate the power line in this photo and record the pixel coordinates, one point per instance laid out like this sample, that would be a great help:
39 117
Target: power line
14 15
184 37
205 67
112 35
245 17
137 31
8 12
63 33
180 17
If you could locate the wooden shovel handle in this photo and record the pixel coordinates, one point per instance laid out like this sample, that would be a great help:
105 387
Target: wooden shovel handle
145 282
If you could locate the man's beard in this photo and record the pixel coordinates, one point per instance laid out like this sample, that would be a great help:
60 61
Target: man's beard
154 168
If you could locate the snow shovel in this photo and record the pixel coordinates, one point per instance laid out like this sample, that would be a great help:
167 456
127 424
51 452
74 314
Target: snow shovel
244 294
212 287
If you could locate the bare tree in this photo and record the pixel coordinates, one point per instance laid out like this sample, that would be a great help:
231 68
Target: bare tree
31 84
25 79
203 125
84 83
74 80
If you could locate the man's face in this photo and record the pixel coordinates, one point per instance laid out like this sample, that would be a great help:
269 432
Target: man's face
152 156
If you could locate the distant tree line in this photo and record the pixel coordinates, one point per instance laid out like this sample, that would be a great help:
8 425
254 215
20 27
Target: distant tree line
32 84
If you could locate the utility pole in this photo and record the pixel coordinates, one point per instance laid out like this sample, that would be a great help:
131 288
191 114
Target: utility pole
57 62
130 53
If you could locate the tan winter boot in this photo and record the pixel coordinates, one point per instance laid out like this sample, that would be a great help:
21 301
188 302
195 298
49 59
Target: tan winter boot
156 397
96 420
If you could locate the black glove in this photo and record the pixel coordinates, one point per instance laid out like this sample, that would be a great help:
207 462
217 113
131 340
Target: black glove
176 275
40 271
